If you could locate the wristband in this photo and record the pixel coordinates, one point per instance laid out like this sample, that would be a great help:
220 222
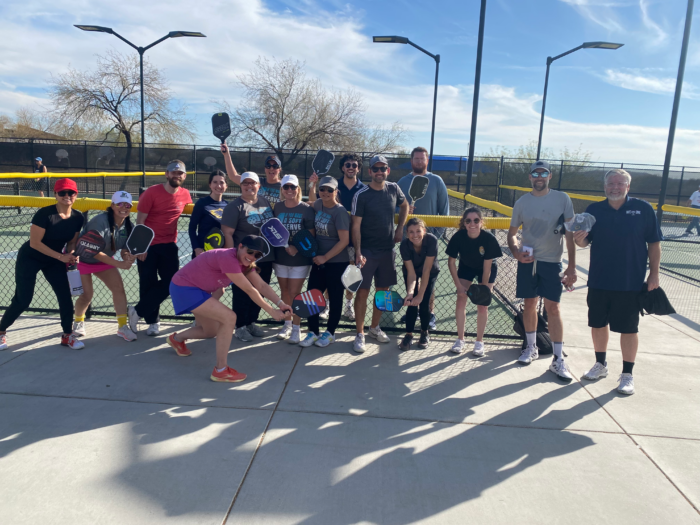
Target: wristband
278 302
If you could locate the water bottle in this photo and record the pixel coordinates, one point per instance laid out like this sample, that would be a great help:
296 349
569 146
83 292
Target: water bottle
74 282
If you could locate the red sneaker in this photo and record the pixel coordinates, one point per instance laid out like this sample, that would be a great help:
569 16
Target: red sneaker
71 341
229 375
180 348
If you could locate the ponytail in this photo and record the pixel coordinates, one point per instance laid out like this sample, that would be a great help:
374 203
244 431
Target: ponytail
113 227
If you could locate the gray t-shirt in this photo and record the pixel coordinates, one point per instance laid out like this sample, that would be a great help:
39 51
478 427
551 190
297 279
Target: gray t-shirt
246 219
270 191
377 207
540 217
300 217
328 221
100 223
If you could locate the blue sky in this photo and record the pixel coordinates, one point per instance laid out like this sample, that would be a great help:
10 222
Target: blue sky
616 104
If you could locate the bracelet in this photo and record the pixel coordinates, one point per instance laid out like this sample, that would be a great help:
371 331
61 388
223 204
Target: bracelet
278 302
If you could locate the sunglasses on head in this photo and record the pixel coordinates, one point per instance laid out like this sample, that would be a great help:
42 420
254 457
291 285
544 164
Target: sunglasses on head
271 166
63 193
289 187
254 253
351 164
326 189
469 221
378 169
536 174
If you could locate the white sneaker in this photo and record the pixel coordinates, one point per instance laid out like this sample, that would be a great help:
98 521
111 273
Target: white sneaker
326 312
153 329
478 349
458 347
558 367
528 355
325 340
243 335
285 332
295 337
377 334
359 344
626 384
72 341
133 318
3 342
310 339
79 328
597 372
126 333
349 311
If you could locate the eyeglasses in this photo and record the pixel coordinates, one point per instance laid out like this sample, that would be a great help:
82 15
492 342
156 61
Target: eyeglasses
63 193
469 221
271 166
382 169
126 205
254 253
325 189
289 187
351 165
536 174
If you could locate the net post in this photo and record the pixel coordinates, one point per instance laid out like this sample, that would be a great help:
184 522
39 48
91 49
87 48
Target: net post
680 186
499 180
561 175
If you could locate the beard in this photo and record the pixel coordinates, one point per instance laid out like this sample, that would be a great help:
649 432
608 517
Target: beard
615 198
175 183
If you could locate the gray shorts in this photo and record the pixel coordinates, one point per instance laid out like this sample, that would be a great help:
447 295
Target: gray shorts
380 266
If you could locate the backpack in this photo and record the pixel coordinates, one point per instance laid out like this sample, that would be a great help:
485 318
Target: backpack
543 341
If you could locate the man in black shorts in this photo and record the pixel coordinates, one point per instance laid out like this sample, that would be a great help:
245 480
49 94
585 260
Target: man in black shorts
623 237
374 236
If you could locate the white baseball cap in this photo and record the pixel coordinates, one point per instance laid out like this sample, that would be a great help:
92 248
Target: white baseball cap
250 175
122 196
290 179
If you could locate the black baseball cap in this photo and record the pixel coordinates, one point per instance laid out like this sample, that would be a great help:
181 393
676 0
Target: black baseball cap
273 158
254 242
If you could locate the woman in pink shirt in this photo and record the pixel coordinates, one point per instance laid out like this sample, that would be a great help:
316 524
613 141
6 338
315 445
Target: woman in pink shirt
197 287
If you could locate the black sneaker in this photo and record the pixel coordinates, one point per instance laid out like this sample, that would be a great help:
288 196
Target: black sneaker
424 340
405 343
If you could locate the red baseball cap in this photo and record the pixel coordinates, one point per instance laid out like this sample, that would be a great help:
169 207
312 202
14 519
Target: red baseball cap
65 184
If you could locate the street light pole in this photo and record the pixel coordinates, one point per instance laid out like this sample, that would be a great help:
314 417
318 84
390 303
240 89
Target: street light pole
141 51
404 40
475 102
585 45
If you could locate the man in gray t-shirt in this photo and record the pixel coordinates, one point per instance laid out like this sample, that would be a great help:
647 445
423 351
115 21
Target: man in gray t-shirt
542 214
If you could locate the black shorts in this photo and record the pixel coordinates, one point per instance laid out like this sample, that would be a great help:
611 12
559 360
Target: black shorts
382 267
620 310
469 274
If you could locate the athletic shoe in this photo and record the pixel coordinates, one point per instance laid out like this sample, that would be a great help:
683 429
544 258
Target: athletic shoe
597 372
325 340
405 343
228 375
126 333
153 329
79 328
242 334
626 384
310 339
359 344
255 330
558 367
133 318
478 349
295 337
424 340
349 311
433 322
3 342
325 313
528 355
285 332
71 341
458 347
179 346
377 334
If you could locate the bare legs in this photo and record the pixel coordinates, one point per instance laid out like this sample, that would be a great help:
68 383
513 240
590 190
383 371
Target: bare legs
482 313
361 309
213 320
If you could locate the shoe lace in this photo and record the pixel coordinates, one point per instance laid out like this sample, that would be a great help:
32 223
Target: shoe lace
624 380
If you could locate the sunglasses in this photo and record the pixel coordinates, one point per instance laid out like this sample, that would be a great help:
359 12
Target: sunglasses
536 174
254 253
351 164
325 189
271 166
249 182
63 193
289 187
382 169
124 205
469 221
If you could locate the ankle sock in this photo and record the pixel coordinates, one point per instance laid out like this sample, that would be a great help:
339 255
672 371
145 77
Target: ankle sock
296 327
79 318
558 347
627 367
220 369
600 357
531 338
287 323
121 320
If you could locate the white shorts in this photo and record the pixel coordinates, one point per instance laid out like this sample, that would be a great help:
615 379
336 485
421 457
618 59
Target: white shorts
291 272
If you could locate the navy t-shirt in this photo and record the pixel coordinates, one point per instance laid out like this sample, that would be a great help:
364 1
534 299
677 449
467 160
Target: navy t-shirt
429 248
206 215
346 195
619 241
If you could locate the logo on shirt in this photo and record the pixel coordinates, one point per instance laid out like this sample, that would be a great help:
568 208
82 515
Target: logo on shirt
217 213
482 251
634 212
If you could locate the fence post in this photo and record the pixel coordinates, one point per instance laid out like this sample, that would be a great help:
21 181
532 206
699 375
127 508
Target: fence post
85 161
306 167
680 187
561 175
499 180
250 159
459 171
104 190
194 163
31 155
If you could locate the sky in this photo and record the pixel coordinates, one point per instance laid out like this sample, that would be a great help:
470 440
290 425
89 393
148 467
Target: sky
614 104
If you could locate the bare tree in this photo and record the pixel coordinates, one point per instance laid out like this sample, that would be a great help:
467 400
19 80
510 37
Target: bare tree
284 111
108 100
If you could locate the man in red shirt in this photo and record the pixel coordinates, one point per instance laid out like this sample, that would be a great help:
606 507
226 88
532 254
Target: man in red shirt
159 208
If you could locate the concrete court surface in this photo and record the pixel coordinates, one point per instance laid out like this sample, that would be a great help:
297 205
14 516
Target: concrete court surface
129 433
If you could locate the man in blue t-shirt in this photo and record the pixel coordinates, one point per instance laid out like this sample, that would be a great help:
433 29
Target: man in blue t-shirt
623 237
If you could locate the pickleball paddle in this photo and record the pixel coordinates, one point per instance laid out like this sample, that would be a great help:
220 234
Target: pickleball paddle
352 278
479 294
140 239
305 243
309 303
388 301
89 244
213 240
322 162
275 233
418 188
221 126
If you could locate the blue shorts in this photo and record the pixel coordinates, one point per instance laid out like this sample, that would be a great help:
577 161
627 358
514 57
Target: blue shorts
187 298
469 274
544 283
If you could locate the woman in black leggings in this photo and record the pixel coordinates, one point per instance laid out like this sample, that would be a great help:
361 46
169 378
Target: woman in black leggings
53 228
332 224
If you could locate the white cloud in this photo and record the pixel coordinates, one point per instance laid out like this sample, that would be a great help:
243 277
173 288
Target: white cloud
636 80
650 24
